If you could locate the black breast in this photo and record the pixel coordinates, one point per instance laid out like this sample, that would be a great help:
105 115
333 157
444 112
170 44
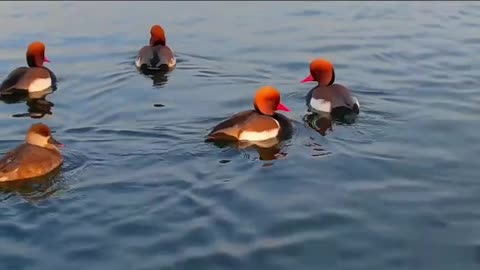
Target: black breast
286 127
53 77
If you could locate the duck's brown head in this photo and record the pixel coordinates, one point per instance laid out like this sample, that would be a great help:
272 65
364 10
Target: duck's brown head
40 135
267 101
157 36
36 54
321 71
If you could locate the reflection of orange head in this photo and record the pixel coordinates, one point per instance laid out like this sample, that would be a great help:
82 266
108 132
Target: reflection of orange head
267 100
157 36
322 71
36 54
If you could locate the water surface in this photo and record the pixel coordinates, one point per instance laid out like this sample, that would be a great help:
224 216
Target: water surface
140 189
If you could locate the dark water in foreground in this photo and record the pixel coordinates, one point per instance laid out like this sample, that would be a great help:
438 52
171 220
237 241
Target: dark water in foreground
399 189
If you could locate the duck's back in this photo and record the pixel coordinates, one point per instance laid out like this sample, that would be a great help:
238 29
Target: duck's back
12 79
28 161
31 79
229 129
250 126
325 98
155 58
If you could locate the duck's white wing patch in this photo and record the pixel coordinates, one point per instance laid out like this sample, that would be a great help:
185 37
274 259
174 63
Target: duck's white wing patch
321 105
172 62
142 60
40 84
355 100
259 135
144 56
138 62
155 57
166 56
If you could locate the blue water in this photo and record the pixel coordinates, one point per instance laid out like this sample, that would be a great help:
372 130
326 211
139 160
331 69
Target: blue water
140 189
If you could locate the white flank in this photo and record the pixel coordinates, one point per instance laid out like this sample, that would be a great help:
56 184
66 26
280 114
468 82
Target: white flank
356 101
321 105
39 84
172 62
169 57
258 136
137 62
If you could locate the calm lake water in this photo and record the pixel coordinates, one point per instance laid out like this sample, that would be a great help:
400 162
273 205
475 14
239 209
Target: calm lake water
140 189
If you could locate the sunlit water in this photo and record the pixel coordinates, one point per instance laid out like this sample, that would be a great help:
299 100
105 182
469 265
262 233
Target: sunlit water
140 189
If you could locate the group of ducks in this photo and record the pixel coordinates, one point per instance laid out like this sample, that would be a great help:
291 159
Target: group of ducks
263 126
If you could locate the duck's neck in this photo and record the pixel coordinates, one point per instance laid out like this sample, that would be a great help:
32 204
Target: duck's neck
31 61
333 78
158 42
260 112
257 109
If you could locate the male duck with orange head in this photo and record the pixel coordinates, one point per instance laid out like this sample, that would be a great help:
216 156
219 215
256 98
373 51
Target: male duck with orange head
156 56
34 78
327 96
260 124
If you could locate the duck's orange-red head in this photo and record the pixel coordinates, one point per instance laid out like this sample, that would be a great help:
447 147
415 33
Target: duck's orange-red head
321 70
36 54
267 101
157 36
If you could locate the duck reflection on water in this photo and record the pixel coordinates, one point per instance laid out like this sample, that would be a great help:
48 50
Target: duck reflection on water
34 189
159 77
271 149
37 104
323 122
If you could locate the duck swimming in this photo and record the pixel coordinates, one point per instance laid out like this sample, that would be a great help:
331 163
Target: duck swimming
156 56
38 156
34 78
328 97
260 124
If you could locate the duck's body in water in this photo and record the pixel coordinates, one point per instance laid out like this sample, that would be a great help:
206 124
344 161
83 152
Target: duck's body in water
38 156
328 97
260 126
31 79
156 56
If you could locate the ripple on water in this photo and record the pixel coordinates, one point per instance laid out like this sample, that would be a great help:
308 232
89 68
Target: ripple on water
140 189
36 190
108 83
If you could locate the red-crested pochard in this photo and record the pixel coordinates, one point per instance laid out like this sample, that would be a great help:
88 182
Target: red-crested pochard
257 125
38 156
156 55
34 78
328 97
